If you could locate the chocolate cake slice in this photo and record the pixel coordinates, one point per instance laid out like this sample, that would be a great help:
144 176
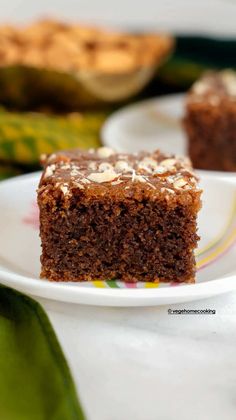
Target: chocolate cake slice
107 215
210 121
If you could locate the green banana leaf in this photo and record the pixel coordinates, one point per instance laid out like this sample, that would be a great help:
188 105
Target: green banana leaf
35 381
25 136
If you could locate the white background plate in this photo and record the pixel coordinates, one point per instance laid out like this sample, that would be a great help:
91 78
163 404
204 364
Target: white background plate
147 125
20 250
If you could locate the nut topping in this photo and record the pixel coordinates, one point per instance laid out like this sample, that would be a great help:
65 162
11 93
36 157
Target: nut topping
122 166
105 152
101 177
179 183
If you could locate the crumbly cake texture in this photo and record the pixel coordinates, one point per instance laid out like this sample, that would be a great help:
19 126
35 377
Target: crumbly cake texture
67 47
107 215
210 121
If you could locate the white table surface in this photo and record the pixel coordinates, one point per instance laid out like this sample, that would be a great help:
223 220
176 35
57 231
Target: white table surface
143 364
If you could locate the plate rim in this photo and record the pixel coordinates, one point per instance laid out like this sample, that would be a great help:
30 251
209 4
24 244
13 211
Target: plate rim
117 297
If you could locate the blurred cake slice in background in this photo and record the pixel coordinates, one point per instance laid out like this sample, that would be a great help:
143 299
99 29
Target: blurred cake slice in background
210 121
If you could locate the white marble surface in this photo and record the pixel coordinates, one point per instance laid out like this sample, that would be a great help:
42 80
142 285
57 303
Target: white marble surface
143 364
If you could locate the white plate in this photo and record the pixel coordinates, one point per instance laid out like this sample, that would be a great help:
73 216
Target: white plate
20 251
151 124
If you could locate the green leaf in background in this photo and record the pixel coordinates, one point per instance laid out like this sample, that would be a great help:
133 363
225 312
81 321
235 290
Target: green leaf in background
25 136
35 381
